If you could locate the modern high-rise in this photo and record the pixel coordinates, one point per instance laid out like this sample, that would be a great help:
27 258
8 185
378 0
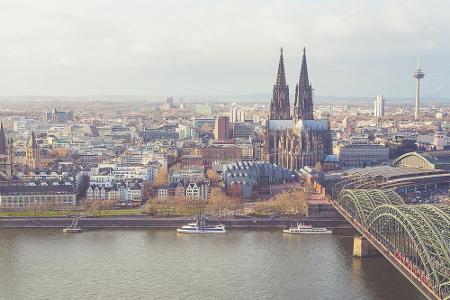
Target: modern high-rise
222 129
379 107
237 115
168 103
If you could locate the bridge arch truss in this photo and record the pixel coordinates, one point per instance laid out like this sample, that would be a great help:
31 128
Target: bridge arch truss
417 235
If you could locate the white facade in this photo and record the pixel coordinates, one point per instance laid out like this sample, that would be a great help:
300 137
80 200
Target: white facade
379 107
439 139
122 194
237 115
187 174
198 192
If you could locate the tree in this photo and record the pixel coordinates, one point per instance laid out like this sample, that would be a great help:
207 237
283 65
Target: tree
213 176
260 208
162 178
108 204
85 204
83 185
235 190
290 203
218 202
94 208
150 208
60 152
147 190
236 205
298 204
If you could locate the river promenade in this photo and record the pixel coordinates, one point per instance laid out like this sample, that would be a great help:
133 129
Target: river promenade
144 221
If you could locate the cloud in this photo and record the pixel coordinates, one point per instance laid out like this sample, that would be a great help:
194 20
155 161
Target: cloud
355 48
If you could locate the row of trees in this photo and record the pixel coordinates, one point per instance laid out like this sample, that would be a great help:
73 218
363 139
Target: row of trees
221 205
218 204
94 208
292 203
286 203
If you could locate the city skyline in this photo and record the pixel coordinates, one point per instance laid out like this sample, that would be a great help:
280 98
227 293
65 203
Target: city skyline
163 49
274 149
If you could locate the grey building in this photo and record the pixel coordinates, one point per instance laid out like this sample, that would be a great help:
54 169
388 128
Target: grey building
362 155
250 175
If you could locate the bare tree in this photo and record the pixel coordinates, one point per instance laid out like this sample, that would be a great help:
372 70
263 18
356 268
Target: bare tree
236 205
83 186
147 190
235 190
218 202
162 178
150 208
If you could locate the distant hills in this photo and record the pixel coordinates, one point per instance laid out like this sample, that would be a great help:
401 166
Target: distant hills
243 98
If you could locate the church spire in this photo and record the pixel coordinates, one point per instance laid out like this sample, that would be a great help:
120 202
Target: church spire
2 139
280 107
303 94
281 77
32 141
304 80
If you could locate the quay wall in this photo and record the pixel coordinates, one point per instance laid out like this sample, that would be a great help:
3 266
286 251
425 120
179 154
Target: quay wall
149 222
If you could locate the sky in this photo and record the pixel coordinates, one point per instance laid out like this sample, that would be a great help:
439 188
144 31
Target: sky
222 47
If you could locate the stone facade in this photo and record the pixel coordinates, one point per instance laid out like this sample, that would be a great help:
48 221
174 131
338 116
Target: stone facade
33 153
299 141
6 158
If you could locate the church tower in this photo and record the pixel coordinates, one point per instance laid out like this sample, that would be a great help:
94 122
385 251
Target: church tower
280 108
33 153
2 140
6 158
303 106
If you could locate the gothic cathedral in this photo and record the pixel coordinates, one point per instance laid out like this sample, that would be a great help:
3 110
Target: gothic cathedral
295 140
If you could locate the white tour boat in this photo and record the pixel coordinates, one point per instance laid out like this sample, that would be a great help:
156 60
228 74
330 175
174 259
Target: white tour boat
202 227
306 229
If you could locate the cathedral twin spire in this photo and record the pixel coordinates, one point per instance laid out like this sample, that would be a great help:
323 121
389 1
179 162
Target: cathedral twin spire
280 108
303 105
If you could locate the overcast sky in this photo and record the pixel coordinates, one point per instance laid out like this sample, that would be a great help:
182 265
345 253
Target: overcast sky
220 47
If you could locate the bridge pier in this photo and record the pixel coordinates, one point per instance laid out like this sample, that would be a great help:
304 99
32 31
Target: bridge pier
363 248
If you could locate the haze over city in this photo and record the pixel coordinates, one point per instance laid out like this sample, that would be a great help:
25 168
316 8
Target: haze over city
224 149
186 48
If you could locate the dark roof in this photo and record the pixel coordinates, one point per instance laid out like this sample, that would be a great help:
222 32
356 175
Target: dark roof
437 157
23 189
434 160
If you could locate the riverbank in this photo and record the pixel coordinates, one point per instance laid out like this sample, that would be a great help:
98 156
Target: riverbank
172 222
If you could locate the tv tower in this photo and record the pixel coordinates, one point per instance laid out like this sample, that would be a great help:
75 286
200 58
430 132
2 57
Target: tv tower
418 74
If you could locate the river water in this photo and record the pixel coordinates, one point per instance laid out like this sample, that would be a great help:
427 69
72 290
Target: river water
161 264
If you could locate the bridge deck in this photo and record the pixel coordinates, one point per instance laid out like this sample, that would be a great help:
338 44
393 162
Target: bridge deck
420 284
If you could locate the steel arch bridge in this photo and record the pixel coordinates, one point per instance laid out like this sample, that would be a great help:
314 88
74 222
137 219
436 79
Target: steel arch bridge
414 238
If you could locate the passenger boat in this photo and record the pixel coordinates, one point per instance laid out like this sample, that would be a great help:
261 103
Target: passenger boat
201 227
306 229
73 228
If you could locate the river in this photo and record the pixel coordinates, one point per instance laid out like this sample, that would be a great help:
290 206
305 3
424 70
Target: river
161 264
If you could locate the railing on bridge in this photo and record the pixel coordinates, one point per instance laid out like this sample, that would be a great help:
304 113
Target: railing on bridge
414 238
